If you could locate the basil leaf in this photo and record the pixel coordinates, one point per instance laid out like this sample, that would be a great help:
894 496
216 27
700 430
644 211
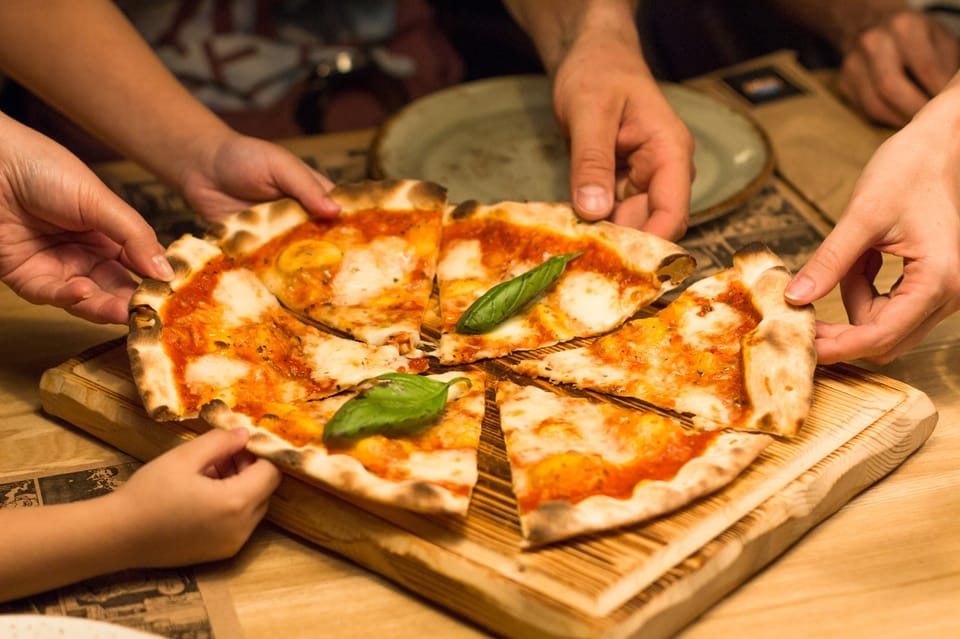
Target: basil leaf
508 298
396 403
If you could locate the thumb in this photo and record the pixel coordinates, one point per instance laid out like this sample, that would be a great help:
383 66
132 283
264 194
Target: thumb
832 260
212 447
593 138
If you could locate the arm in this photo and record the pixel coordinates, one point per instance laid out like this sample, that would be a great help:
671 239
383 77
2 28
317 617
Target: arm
198 502
906 204
894 57
86 59
625 138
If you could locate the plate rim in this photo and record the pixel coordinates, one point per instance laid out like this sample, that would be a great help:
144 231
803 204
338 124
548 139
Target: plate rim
375 152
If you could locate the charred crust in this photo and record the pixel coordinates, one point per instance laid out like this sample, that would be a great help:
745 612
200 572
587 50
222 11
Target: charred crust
676 268
364 189
181 267
145 325
465 210
428 195
753 248
216 232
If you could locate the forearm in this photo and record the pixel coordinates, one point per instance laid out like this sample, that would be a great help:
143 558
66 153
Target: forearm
85 59
554 26
46 547
839 22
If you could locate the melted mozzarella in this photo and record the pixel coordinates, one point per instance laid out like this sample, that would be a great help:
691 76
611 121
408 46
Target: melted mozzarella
573 425
347 361
367 272
590 300
215 370
461 260
702 331
243 298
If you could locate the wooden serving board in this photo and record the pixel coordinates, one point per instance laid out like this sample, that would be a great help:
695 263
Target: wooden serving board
648 580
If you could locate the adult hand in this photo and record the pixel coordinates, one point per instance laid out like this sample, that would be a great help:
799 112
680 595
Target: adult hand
906 204
626 141
197 502
236 171
65 238
893 68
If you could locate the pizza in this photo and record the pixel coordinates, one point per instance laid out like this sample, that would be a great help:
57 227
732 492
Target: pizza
367 352
367 273
728 352
216 332
432 469
613 271
580 465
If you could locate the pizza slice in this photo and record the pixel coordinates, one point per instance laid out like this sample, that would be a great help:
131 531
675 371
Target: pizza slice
580 465
216 333
431 467
729 352
539 276
367 272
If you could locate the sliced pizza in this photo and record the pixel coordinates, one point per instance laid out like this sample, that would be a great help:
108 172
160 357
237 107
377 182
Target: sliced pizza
216 333
431 467
580 465
729 352
518 276
367 272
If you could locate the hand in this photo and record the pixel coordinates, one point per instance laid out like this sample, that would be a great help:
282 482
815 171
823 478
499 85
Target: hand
237 171
906 204
65 238
625 138
198 502
895 67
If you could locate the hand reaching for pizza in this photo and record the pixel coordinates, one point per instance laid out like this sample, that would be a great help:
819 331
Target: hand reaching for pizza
236 171
65 238
627 143
892 68
198 502
906 204
625 138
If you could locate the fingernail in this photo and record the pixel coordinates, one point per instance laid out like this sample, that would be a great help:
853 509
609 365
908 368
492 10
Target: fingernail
800 288
593 199
163 267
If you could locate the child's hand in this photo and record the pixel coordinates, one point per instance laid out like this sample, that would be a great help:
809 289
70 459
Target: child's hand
197 502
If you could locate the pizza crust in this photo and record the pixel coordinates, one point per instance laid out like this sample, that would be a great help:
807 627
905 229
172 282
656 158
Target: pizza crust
779 357
150 366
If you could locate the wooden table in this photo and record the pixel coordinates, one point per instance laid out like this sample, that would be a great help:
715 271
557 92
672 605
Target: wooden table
886 565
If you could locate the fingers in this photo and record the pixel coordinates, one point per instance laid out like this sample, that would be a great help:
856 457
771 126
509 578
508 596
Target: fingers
310 188
212 448
593 135
830 262
102 210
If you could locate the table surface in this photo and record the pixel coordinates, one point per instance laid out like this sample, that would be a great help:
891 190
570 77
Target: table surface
886 565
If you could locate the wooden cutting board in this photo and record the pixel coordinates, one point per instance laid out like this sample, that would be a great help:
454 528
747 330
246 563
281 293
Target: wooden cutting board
647 580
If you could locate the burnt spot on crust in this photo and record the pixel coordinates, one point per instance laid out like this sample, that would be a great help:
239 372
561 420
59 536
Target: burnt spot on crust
239 243
752 249
216 232
676 268
427 195
465 210
766 423
181 267
145 326
363 189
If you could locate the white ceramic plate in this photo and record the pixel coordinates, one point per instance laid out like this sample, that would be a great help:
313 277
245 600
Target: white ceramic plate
497 139
55 627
